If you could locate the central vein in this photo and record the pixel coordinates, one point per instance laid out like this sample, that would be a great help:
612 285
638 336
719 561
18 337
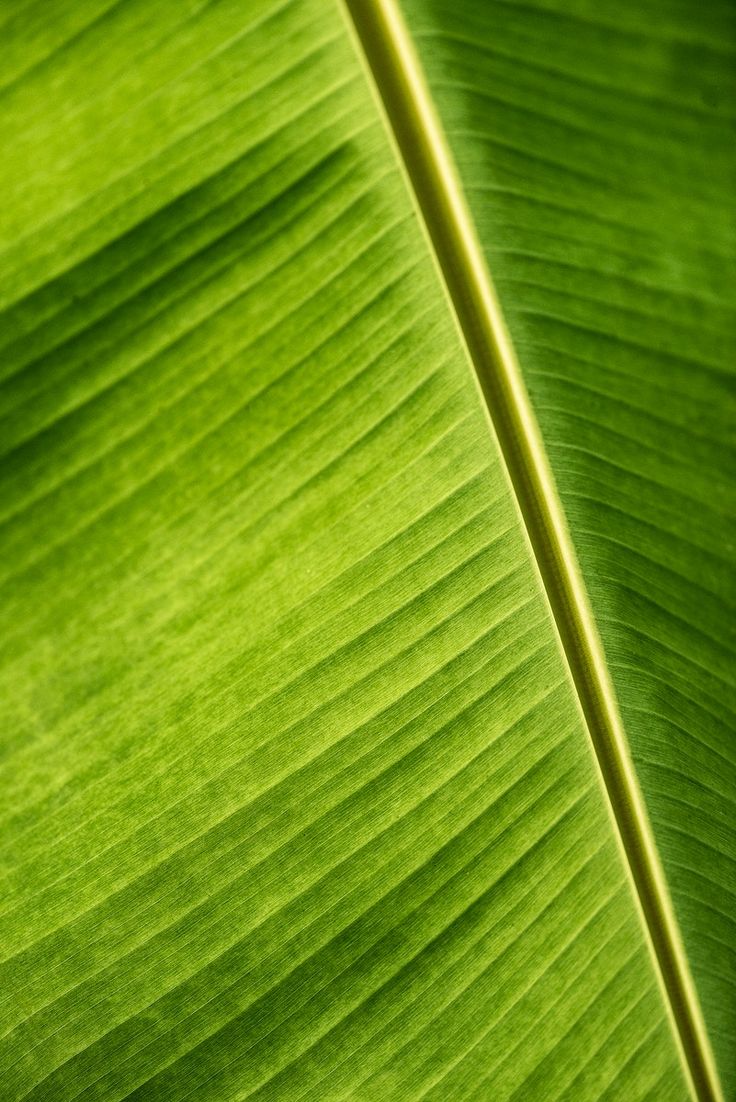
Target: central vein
400 84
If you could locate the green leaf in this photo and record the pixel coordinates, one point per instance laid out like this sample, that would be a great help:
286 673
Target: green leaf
595 145
299 800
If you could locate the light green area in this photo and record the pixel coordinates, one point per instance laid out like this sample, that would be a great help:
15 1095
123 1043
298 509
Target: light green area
595 142
295 798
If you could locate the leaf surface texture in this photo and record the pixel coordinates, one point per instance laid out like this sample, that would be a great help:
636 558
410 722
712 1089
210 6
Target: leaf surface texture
298 802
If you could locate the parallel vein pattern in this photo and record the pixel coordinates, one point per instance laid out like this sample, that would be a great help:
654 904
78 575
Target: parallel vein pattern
595 144
296 799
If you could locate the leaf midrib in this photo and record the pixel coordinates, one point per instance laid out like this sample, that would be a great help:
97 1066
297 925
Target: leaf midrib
394 72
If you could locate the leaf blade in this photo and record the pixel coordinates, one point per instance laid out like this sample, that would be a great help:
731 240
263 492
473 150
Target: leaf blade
228 634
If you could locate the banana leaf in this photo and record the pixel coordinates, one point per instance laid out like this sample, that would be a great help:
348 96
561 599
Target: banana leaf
301 792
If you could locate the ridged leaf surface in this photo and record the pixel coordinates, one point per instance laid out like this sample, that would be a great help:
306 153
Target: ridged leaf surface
298 801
